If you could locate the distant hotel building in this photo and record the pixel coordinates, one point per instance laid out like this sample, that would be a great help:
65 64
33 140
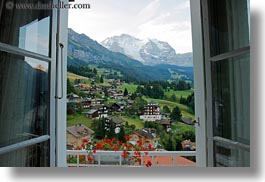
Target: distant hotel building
151 112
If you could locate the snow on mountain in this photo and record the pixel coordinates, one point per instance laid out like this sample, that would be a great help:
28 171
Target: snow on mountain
149 52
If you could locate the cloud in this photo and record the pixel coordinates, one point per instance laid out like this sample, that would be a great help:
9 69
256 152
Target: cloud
148 12
165 20
172 24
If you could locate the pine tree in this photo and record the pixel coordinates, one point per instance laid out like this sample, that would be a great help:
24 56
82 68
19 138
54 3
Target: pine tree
176 114
166 109
125 92
121 134
95 71
101 79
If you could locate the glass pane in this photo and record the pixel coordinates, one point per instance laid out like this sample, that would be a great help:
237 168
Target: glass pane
33 156
229 25
24 98
231 104
27 29
230 157
231 99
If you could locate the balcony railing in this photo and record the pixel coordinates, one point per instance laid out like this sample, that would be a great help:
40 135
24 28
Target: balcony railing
79 158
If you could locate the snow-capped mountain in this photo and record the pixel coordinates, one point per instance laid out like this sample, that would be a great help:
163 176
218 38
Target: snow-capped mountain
149 52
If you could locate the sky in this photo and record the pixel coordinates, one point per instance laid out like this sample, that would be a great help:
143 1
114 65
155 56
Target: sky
165 20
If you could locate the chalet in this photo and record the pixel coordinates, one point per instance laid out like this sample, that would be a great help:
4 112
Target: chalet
98 111
122 103
83 86
166 124
99 88
73 98
145 136
130 102
86 103
117 121
93 113
96 101
114 94
114 107
76 134
151 112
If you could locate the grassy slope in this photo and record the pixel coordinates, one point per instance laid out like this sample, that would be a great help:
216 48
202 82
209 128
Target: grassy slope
130 87
72 77
184 93
181 127
136 121
73 120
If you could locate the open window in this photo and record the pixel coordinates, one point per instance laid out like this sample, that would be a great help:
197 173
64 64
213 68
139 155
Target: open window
222 65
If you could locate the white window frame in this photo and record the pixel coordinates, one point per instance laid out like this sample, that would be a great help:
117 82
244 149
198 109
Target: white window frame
60 99
199 84
203 83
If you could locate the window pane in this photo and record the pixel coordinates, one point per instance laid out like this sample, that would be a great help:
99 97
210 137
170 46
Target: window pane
229 25
231 104
37 155
230 157
24 98
231 99
27 29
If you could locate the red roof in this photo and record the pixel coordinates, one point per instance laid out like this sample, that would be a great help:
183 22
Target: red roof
168 161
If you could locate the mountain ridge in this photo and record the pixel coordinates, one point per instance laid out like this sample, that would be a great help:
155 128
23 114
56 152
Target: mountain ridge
84 51
148 51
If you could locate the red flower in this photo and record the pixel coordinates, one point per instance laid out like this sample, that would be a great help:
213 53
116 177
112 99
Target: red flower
130 146
148 164
85 140
113 139
116 148
99 146
94 151
124 154
127 138
139 143
107 141
150 146
90 159
83 145
137 153
77 148
146 153
120 142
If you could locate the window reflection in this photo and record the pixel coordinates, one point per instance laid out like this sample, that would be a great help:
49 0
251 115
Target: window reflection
229 25
231 108
26 29
24 98
33 37
33 156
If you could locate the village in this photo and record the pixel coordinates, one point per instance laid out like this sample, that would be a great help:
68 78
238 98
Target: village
108 110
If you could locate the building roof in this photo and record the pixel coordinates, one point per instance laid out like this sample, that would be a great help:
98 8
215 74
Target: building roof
144 133
73 95
117 120
187 121
97 107
164 122
84 85
152 104
80 131
92 111
168 161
